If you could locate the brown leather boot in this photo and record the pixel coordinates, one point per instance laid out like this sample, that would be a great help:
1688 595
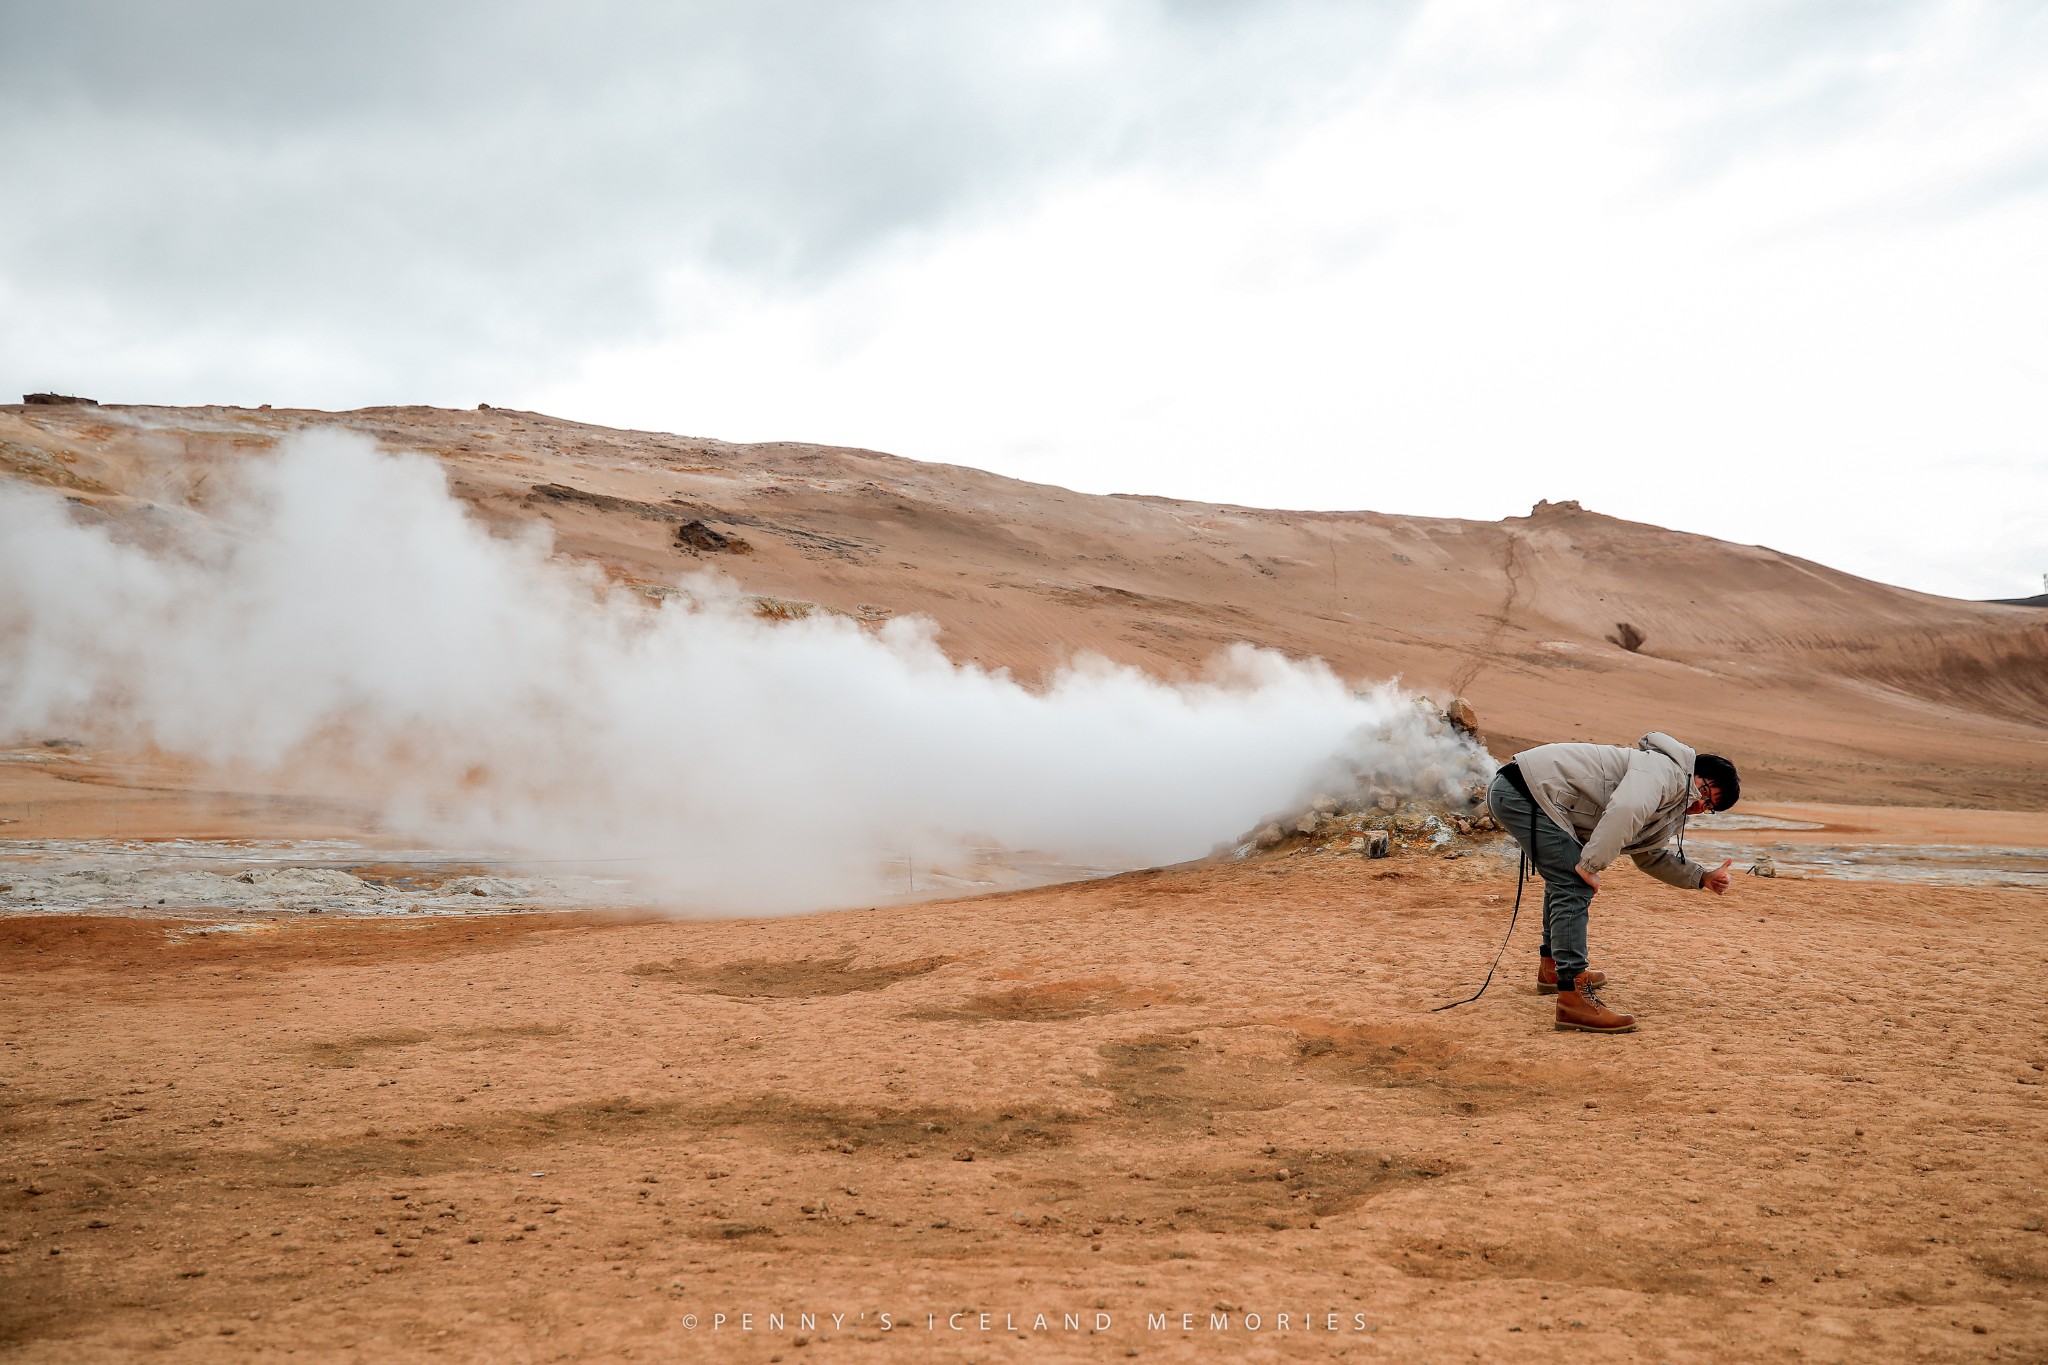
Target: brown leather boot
1546 977
1580 1008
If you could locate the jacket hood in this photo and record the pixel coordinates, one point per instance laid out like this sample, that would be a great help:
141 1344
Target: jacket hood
1657 742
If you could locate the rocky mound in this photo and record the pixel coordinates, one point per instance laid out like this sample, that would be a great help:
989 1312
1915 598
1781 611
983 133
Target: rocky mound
1378 812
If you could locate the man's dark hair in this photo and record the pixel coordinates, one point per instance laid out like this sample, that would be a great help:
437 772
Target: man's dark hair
1721 773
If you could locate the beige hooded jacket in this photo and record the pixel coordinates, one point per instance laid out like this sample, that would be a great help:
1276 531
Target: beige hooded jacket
1618 801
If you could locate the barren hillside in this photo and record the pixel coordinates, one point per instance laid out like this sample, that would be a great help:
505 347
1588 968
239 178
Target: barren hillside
1821 685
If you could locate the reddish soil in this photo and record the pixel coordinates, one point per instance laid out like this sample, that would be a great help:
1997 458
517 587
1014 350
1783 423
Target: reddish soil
1206 1091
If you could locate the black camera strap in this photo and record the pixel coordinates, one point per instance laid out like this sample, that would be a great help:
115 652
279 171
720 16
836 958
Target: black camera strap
1514 777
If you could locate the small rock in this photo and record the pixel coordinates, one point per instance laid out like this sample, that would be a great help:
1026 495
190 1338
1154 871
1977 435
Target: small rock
964 1154
1763 867
1462 717
1378 844
695 535
1268 836
1305 823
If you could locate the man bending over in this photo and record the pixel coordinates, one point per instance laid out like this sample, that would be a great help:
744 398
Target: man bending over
1575 808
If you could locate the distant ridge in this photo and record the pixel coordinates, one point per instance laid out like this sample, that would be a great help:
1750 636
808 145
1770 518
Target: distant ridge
1829 687
2039 599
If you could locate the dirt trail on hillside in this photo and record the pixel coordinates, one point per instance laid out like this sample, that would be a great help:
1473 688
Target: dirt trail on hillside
1215 1092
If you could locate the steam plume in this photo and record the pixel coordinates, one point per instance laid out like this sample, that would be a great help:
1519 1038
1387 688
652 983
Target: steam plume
337 610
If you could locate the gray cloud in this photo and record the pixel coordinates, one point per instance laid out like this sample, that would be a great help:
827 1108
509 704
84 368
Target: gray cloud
463 190
247 201
1782 77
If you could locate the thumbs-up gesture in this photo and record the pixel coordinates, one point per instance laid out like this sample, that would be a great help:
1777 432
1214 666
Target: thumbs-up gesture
1717 880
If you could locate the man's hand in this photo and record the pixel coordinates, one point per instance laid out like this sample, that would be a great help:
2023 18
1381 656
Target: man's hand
1588 876
1717 880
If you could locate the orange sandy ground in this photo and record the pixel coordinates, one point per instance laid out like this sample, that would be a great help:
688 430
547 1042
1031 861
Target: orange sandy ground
1213 1090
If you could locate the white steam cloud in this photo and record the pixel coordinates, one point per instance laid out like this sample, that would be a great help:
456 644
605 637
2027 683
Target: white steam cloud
338 612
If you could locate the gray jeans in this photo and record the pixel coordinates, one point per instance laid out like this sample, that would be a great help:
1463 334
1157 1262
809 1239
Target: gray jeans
1555 855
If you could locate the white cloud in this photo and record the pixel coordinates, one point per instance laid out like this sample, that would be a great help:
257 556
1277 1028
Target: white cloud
1456 301
1767 271
360 630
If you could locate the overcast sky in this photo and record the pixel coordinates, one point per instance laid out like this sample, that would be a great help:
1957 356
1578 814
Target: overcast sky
1772 271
